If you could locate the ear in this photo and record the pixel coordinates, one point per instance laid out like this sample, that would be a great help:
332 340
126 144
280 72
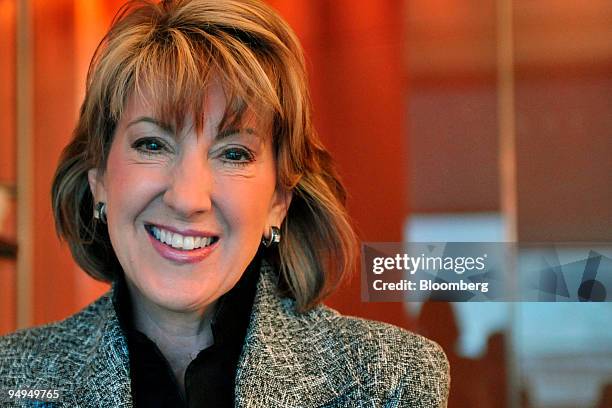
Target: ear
96 185
278 208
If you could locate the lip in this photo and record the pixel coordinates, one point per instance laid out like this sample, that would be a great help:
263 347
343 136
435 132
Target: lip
179 256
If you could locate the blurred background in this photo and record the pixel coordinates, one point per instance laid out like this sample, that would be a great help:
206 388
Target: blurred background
465 120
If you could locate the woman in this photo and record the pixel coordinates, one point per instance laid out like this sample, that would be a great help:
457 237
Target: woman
195 183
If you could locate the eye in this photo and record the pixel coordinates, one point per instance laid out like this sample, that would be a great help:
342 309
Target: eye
237 156
150 146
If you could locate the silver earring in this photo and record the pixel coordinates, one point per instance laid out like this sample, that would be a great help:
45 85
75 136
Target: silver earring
100 212
275 237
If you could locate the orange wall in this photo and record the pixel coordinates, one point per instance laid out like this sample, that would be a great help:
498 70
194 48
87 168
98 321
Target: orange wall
355 56
53 118
7 155
7 90
66 33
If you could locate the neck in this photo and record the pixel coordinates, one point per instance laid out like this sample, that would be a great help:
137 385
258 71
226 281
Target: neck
180 336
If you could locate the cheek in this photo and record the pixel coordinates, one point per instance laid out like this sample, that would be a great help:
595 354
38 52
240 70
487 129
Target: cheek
245 203
117 175
135 185
130 187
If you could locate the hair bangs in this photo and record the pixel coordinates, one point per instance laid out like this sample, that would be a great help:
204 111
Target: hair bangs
172 70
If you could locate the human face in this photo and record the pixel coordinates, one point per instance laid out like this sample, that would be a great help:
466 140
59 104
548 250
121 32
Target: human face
216 188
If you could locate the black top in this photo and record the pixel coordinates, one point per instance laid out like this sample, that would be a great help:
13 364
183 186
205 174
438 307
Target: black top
210 377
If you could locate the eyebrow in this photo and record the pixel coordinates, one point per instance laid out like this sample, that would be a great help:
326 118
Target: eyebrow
224 133
221 134
164 126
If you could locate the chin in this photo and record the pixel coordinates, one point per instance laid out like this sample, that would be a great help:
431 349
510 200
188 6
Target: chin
178 295
184 302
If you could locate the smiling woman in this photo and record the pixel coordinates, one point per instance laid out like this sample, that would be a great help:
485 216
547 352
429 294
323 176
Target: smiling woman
167 188
196 185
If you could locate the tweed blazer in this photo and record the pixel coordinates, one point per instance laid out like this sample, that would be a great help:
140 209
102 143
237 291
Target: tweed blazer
313 359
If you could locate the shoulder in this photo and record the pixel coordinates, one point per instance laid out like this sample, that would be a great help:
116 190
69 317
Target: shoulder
53 351
390 345
370 360
410 367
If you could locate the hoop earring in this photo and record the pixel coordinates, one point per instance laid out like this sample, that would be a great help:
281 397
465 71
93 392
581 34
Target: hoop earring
274 239
100 212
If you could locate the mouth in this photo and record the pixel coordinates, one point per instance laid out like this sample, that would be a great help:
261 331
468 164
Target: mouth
178 241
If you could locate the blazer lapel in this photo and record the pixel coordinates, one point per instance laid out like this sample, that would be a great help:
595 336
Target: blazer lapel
104 381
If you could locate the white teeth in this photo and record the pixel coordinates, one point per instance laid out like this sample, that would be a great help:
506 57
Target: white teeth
188 243
179 241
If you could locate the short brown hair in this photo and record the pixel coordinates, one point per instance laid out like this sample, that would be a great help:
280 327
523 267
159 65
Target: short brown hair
173 48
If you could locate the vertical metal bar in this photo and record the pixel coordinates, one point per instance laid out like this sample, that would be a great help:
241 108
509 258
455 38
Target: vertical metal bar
24 163
508 179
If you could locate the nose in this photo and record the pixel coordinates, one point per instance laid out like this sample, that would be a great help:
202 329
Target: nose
189 189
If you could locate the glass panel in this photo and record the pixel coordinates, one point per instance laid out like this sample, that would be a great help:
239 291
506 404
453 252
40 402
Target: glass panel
563 100
559 355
